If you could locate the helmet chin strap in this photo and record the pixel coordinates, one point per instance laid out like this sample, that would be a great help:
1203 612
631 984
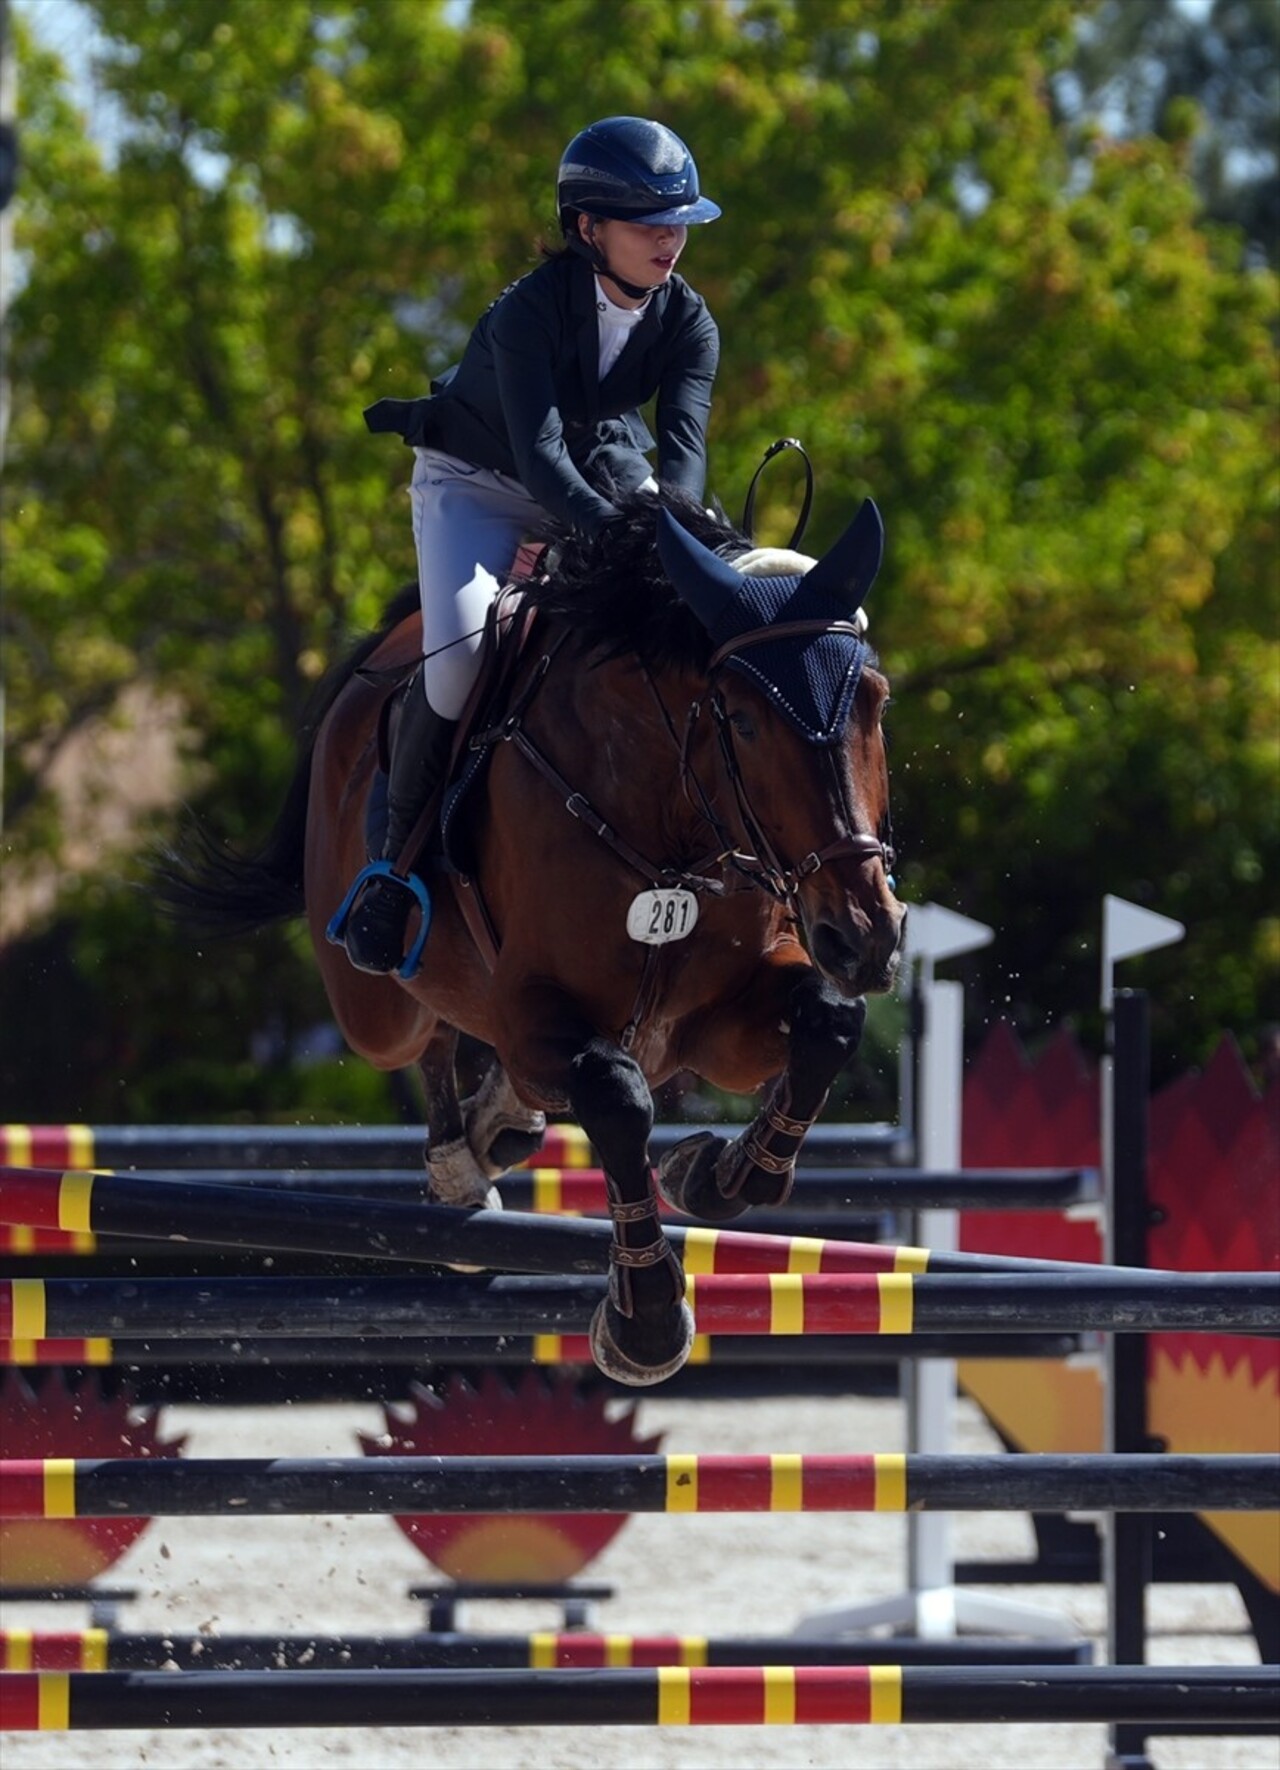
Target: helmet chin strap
595 257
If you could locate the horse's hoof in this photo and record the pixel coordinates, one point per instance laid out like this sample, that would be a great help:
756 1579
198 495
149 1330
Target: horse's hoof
760 1186
500 1129
492 1201
686 1179
635 1353
511 1147
454 1177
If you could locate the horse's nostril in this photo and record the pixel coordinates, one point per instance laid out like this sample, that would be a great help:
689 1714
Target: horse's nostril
832 949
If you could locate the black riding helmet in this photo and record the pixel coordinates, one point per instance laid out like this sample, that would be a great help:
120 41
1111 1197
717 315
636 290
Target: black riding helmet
627 169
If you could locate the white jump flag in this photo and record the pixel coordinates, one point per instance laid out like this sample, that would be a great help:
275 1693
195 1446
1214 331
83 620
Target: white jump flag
1127 931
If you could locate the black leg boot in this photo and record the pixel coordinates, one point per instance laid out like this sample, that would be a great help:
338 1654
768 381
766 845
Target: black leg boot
375 932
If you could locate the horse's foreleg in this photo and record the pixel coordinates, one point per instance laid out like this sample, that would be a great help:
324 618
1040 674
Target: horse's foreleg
824 1031
456 1177
709 1177
643 1331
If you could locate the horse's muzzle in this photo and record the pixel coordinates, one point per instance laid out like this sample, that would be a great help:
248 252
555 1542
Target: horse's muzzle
860 958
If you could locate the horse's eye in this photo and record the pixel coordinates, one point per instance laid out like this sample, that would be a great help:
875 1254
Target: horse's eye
741 723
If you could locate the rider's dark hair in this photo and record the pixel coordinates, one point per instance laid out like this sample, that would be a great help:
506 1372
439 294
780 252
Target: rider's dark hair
557 250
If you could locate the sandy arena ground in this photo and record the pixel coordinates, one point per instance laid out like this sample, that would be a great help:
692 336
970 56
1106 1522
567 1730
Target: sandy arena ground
710 1575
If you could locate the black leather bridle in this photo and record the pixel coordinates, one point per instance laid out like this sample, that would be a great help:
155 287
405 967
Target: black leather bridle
765 868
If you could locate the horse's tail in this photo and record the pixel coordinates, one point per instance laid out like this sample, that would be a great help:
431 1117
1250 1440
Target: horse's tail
210 887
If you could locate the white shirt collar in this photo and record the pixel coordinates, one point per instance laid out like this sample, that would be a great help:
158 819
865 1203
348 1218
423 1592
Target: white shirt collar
613 315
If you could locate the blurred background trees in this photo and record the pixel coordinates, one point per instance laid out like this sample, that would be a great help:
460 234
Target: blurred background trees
1004 268
1210 72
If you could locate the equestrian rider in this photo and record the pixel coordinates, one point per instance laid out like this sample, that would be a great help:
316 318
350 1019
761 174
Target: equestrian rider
540 416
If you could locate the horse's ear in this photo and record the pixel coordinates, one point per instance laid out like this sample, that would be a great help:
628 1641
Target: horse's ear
848 570
701 578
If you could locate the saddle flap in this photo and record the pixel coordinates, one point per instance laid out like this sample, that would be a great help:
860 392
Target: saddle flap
508 626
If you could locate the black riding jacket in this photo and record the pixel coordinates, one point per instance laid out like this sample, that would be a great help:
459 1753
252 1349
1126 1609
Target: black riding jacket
526 398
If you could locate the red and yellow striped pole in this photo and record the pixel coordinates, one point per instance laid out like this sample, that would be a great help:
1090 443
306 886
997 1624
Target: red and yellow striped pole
666 1696
54 1650
37 1352
779 1696
733 1303
119 1650
876 1482
46 1146
75 1204
896 1304
803 1303
77 1146
886 1481
67 1487
38 1225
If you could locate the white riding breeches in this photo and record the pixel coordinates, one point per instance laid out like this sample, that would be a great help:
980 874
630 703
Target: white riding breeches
467 523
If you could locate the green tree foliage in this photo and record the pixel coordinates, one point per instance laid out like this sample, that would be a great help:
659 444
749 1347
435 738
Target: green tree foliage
1209 75
1055 379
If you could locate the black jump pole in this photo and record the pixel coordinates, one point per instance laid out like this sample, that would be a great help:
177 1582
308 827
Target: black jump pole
797 1305
674 1696
115 1651
355 1146
181 1487
1126 1536
821 1352
175 1211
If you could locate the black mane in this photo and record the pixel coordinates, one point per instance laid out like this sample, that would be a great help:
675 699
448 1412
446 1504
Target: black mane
613 592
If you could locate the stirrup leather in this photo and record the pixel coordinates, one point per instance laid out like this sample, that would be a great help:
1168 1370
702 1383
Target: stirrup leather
336 931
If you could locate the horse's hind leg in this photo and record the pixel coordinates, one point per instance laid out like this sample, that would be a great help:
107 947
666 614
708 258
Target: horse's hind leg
456 1177
643 1331
500 1128
709 1177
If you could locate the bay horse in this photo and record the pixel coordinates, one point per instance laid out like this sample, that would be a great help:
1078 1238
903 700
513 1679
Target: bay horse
679 859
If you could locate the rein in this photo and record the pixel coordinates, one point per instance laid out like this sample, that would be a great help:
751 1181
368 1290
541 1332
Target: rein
749 508
511 730
766 870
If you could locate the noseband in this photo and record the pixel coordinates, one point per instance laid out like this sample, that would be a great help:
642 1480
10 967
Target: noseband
766 868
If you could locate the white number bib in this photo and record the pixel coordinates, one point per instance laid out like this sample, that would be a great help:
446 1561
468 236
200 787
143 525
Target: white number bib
656 917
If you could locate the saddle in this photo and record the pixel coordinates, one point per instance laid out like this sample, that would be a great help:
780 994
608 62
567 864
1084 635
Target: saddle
440 839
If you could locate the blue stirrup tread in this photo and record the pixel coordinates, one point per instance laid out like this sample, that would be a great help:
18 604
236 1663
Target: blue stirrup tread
336 930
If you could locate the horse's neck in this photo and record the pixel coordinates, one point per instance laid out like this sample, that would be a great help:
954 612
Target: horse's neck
624 726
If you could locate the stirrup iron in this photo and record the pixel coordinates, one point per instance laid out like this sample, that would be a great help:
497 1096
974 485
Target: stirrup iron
336 931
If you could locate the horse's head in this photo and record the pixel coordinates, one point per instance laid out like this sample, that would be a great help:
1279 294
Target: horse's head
797 706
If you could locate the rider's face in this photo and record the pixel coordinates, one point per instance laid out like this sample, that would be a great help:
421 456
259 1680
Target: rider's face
636 251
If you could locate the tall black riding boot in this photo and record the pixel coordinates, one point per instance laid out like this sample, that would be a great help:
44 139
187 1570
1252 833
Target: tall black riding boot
420 750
